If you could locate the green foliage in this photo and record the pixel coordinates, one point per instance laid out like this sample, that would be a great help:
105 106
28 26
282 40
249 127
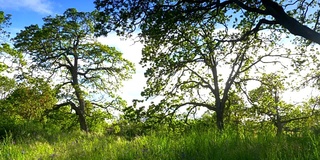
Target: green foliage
26 105
61 120
66 49
30 102
4 22
6 86
236 110
11 55
158 19
267 104
195 144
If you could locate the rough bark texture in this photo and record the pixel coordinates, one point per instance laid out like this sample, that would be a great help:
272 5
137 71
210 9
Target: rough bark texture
219 112
78 92
83 122
81 117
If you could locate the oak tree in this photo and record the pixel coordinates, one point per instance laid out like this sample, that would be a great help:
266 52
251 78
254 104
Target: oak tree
197 66
65 50
267 103
174 49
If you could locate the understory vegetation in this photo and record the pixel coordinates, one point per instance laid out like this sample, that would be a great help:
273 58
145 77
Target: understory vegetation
195 142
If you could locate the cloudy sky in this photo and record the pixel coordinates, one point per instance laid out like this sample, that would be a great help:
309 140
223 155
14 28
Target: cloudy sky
27 12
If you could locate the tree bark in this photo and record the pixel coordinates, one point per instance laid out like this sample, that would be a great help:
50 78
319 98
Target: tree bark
294 26
278 122
81 111
83 122
219 112
279 128
81 117
78 92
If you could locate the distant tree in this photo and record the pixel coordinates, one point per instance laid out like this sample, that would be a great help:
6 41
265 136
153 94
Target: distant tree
236 109
65 50
267 104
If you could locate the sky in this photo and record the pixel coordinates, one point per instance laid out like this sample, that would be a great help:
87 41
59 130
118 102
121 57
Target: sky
28 12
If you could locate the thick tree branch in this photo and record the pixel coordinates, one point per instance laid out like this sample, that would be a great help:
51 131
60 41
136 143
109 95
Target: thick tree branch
58 106
208 106
107 69
300 118
250 9
208 85
290 23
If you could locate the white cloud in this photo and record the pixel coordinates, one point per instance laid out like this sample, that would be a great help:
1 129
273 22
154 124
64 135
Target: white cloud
39 6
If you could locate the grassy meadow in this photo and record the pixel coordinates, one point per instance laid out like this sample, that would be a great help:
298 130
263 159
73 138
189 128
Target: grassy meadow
195 144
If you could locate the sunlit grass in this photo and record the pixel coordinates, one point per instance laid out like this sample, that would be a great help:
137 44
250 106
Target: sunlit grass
194 144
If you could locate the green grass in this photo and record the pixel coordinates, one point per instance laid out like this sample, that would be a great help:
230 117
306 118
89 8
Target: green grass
191 145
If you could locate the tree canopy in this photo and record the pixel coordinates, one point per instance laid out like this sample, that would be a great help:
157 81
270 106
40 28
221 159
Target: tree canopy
157 18
191 45
65 51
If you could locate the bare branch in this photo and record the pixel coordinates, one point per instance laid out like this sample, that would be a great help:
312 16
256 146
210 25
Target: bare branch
248 33
208 85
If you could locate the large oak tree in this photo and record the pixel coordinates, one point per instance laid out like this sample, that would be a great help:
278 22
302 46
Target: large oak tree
188 42
65 49
196 66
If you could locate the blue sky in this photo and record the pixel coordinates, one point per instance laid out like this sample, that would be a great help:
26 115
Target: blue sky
27 12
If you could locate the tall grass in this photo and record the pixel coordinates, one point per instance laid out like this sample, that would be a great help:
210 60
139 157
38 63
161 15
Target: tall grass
190 145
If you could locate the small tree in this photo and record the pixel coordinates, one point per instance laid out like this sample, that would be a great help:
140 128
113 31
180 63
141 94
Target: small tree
267 103
30 101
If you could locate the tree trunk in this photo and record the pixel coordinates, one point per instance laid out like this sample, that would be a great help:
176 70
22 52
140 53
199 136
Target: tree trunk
83 122
279 129
220 124
81 114
81 117
79 94
219 112
279 124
